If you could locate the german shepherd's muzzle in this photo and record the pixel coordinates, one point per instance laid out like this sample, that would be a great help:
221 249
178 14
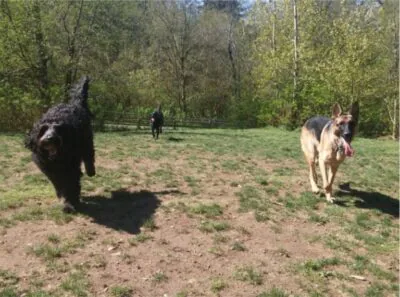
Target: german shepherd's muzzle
328 141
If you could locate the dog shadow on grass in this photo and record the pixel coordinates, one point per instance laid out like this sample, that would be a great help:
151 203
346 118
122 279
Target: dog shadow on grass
175 139
370 200
124 211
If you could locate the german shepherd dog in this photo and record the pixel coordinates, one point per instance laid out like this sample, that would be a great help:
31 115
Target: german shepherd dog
327 141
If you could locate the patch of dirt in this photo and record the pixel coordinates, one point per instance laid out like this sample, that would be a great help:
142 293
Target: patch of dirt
177 249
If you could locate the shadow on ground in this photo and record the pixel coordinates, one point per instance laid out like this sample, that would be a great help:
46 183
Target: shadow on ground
124 211
371 200
175 139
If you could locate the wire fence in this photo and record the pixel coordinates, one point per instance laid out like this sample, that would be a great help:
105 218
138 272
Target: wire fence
116 120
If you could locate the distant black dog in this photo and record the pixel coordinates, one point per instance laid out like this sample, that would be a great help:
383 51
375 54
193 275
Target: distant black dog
61 140
157 121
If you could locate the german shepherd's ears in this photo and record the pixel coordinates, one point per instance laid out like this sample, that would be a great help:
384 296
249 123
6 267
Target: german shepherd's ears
336 110
354 110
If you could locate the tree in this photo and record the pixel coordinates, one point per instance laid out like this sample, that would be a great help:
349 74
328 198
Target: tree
389 79
175 37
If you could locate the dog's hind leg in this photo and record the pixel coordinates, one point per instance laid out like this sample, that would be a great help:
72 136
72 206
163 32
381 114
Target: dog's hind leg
313 176
308 145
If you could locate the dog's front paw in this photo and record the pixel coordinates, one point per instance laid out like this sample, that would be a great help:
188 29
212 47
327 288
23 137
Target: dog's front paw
68 207
331 199
315 190
91 171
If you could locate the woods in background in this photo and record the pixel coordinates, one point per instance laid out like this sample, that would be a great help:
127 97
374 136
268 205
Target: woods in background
273 62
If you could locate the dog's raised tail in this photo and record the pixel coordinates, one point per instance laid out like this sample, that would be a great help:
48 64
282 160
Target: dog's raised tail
80 91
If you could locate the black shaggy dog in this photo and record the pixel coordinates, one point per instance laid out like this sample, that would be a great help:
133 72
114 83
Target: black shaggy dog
157 121
61 140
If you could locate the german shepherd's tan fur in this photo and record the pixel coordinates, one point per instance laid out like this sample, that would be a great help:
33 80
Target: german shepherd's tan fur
327 141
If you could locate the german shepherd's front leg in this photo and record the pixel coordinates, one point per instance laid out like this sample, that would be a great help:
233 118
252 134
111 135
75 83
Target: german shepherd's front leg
331 177
326 179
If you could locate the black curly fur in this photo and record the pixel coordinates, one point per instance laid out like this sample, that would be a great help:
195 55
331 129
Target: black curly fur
156 122
61 140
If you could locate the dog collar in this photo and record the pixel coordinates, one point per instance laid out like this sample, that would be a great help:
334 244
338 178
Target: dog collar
340 148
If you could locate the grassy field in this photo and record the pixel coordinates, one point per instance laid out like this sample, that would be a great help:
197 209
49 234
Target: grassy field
201 213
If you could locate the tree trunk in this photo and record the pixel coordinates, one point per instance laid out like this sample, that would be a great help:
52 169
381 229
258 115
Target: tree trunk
395 128
396 115
72 63
274 44
273 26
42 55
295 104
183 87
231 52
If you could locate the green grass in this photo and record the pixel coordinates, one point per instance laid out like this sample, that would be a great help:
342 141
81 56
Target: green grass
336 243
230 165
374 242
238 246
212 226
318 219
150 224
100 261
219 238
41 293
306 201
159 277
8 278
251 198
248 274
375 290
362 264
191 181
121 291
182 294
208 210
217 285
274 292
57 248
140 238
8 292
47 252
216 251
76 283
318 265
54 238
42 213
